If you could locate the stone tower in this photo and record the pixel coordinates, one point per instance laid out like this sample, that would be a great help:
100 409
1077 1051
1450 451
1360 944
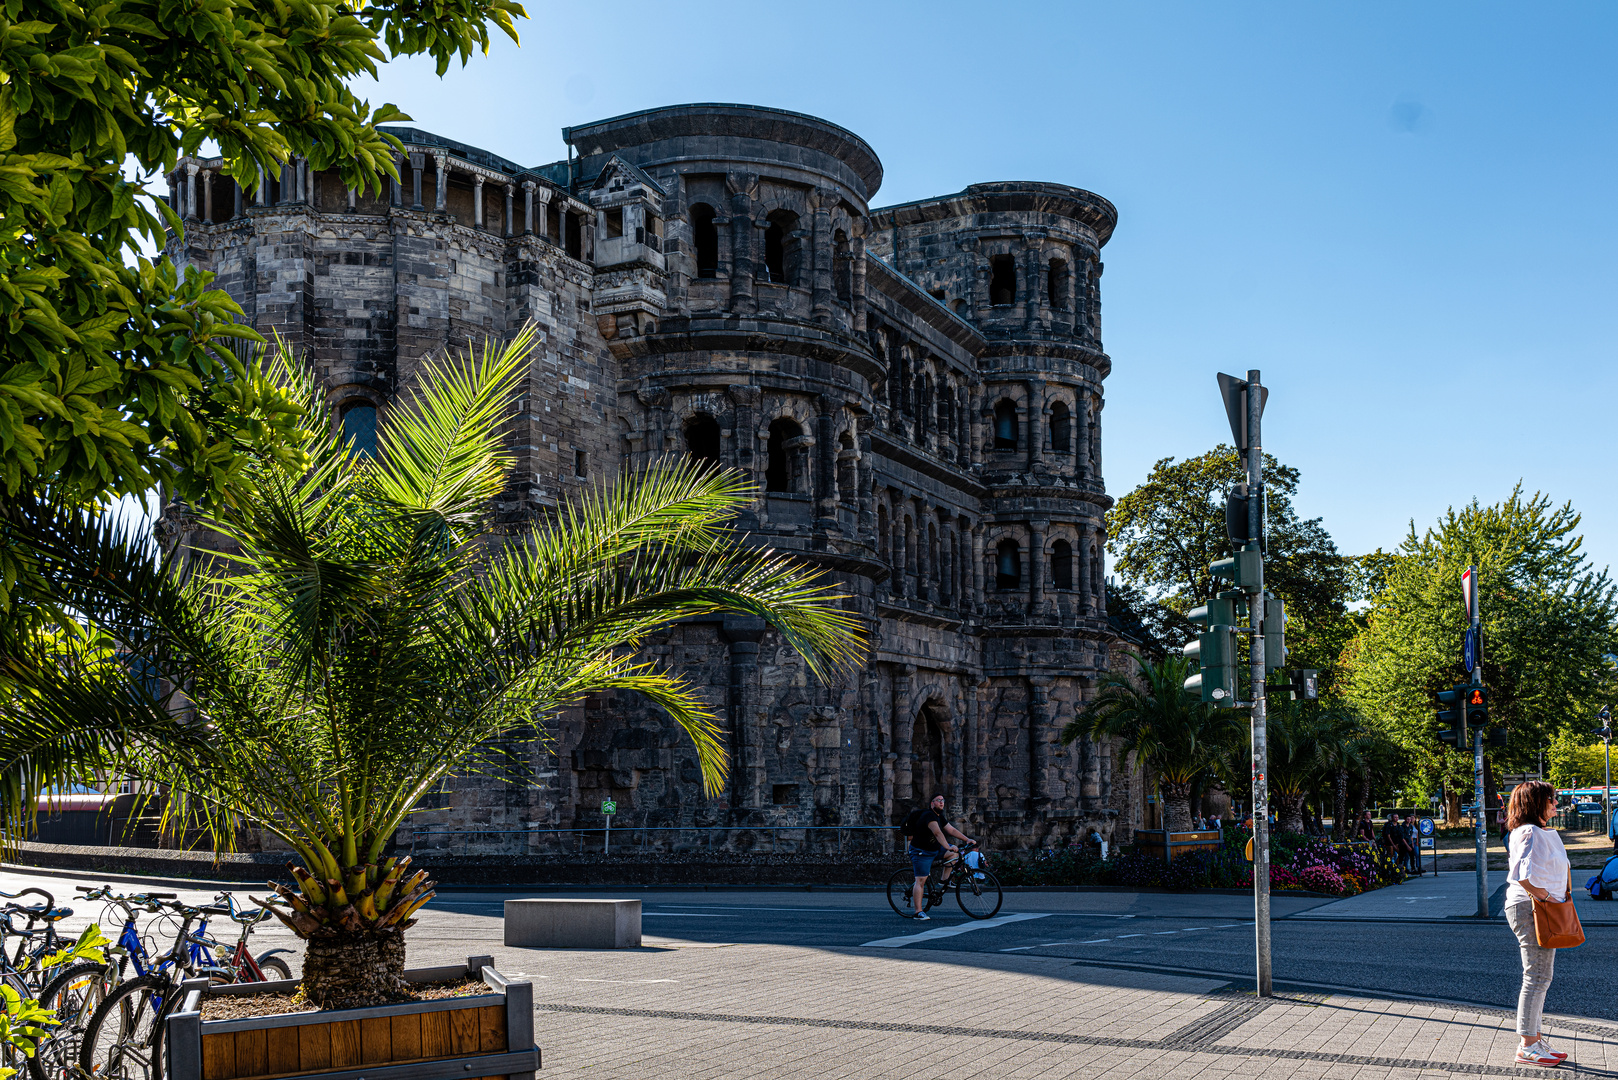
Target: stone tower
916 391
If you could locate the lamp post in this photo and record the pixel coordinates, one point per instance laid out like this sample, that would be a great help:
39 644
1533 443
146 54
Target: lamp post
1605 734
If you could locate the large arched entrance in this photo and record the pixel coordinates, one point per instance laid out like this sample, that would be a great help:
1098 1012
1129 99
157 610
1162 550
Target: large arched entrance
927 738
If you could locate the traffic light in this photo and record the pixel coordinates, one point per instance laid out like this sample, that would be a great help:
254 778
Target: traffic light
1237 520
1477 706
1244 570
1214 651
1452 718
1275 633
1302 683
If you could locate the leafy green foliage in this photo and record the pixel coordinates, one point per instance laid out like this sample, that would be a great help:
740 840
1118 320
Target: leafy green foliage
1165 532
116 374
1572 760
1548 618
367 636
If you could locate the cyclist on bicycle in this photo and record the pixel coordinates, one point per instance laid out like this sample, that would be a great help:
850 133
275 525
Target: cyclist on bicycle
927 835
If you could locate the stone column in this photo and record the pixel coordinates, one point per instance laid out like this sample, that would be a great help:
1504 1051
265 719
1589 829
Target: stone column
1095 302
207 196
1039 741
190 191
511 195
977 568
825 451
1070 295
1083 556
561 224
263 193
747 731
904 727
1081 297
441 187
980 289
398 184
1036 424
1038 290
353 200
528 187
896 547
857 277
477 202
1095 442
745 436
867 481
820 269
418 162
742 299
1081 448
542 195
1036 568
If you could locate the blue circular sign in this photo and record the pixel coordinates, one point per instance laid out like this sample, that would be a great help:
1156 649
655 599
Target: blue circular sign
1425 826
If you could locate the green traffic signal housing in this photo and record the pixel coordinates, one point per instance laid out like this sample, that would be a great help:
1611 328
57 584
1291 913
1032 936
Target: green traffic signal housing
1245 570
1215 651
1452 718
1275 633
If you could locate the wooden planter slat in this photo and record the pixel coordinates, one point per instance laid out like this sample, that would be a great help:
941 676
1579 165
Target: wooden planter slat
483 1037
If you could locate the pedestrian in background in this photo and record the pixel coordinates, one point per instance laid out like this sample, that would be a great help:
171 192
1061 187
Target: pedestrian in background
1390 836
1366 829
1537 869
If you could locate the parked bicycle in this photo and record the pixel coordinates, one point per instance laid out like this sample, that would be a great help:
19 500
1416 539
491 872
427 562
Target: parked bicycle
977 890
243 964
73 991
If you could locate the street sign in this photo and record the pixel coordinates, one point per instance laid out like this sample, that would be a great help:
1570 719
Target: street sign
1425 828
1426 840
1469 592
1469 649
609 807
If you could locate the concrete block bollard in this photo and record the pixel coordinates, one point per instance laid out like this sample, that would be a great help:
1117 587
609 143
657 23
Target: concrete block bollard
573 924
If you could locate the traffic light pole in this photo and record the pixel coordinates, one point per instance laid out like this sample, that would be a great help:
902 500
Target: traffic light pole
1255 609
1482 816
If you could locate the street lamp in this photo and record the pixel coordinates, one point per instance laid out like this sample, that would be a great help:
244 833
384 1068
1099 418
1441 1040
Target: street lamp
1605 734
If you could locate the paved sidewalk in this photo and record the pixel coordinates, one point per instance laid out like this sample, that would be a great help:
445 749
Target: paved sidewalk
750 1011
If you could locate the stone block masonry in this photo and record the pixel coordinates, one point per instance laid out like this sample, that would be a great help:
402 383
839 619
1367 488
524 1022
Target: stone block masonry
916 390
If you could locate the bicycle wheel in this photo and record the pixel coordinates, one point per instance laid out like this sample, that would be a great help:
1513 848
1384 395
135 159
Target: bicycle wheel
75 993
274 967
124 1040
899 893
978 893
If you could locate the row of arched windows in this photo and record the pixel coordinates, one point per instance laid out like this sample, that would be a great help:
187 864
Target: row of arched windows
1003 290
1059 432
783 260
786 469
1008 565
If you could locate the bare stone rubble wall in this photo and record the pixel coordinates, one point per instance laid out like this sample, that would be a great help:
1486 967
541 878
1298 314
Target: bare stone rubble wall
916 390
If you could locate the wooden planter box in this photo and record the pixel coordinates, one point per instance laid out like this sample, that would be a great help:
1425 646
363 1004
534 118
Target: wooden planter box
482 1037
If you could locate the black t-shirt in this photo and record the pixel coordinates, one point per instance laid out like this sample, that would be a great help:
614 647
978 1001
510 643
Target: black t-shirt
922 836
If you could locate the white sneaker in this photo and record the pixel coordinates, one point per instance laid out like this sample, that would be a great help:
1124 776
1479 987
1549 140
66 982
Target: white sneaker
1538 1054
1545 1045
922 916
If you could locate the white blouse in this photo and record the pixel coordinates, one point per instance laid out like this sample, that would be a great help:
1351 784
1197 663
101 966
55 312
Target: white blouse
1535 855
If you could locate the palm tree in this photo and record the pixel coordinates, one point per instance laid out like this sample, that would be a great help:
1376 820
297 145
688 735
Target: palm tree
1173 732
367 636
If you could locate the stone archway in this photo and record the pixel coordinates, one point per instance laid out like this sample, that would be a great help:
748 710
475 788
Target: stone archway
929 753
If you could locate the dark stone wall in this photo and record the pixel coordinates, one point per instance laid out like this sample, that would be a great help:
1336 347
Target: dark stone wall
851 361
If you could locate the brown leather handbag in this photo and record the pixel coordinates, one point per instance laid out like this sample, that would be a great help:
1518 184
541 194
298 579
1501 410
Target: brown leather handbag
1556 925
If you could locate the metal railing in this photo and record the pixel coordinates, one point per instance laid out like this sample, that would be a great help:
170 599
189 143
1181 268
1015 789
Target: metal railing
666 838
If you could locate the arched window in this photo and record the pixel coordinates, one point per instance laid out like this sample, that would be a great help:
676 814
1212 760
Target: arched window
1008 565
1057 284
1062 564
1061 429
575 235
1002 281
842 267
359 427
702 440
705 238
782 248
781 474
959 307
1005 426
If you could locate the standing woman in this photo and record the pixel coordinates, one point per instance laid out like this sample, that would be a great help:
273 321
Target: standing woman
1538 870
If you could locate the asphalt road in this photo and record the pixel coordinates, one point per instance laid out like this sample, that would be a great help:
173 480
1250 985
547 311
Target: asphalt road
1454 960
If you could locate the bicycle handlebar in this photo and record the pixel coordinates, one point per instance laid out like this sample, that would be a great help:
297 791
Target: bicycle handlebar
50 901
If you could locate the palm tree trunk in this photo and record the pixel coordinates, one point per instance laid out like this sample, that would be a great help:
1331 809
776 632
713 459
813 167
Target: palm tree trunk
1176 805
1290 815
1339 804
351 971
1365 793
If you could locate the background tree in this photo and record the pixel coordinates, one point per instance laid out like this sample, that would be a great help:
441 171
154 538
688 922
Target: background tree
1573 761
115 377
1164 533
371 635
1548 618
1175 735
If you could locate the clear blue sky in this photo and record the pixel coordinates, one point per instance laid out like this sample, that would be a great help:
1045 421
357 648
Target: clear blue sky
1404 214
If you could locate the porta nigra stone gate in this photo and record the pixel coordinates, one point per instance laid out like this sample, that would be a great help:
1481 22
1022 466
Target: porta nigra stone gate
915 389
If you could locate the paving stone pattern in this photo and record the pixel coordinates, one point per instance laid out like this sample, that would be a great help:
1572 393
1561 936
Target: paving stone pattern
917 390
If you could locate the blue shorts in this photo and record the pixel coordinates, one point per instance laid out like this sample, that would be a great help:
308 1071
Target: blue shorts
921 862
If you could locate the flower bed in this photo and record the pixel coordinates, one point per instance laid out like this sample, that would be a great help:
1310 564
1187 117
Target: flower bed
1301 862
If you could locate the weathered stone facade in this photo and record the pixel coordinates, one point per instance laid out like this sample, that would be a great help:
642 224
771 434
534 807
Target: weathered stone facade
916 389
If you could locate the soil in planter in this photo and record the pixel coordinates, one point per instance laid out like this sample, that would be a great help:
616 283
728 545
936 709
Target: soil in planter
241 1006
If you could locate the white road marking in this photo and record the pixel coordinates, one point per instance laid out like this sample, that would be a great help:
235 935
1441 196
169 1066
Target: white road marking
1160 933
1020 948
1097 941
1188 929
685 915
951 931
1122 936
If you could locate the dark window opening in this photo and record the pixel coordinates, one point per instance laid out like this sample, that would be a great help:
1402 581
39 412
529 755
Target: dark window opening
938 294
842 267
1062 564
702 440
959 307
359 427
1057 288
1003 281
784 794
780 473
1005 426
580 463
705 238
1008 565
553 223
1061 429
575 235
614 220
782 248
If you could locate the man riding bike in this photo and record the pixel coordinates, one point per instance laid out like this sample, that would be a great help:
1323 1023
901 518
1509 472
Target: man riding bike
927 835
